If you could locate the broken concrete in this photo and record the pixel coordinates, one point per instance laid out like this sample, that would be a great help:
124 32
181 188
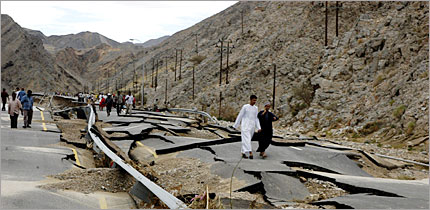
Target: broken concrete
225 171
368 201
257 165
131 130
124 145
308 157
200 154
281 187
380 186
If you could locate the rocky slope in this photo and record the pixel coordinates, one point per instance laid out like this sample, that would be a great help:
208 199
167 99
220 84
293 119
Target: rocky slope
370 81
25 62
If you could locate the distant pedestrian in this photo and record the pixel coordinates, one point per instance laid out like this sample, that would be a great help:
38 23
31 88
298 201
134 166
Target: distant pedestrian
129 102
119 103
27 106
14 107
248 121
134 103
4 96
21 93
102 103
265 136
17 91
155 108
109 104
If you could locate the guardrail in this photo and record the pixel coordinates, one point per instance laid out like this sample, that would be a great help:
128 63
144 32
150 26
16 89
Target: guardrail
194 112
168 199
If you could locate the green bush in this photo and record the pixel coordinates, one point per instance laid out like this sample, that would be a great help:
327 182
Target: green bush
399 111
410 128
392 102
371 127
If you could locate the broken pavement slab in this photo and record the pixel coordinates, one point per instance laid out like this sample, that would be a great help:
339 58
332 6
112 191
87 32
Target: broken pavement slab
307 157
280 187
368 201
418 189
225 171
132 129
201 154
257 165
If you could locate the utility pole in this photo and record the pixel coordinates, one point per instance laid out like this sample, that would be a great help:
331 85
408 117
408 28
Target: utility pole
180 65
143 83
193 82
219 108
274 85
220 60
156 74
326 22
152 73
241 18
165 92
176 61
337 16
228 67
197 48
108 81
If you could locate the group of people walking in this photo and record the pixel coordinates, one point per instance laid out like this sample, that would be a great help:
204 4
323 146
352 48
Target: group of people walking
119 101
19 102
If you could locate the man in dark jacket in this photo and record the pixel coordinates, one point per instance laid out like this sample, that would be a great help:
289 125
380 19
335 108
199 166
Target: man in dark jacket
109 104
4 97
266 118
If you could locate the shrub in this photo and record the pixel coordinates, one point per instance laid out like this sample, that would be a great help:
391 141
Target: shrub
410 128
392 102
197 59
371 127
399 111
305 92
295 109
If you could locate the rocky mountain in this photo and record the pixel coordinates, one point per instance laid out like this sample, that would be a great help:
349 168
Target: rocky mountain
370 81
26 63
153 42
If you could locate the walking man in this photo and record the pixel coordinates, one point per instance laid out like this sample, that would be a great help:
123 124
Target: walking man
265 138
4 97
248 123
129 102
21 93
119 103
14 108
109 104
27 106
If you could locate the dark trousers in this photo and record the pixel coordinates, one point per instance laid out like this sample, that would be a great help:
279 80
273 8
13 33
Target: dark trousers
3 108
264 140
14 121
118 108
108 110
28 116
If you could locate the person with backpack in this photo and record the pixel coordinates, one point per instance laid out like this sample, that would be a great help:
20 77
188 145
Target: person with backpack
27 106
14 108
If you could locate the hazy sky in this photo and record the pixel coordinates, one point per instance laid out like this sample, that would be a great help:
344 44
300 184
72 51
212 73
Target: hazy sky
118 20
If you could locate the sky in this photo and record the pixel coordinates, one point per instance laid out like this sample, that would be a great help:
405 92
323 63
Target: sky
117 20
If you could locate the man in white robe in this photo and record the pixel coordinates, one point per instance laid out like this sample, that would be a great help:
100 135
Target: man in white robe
248 123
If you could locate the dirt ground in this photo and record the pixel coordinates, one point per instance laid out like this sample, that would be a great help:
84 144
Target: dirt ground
92 180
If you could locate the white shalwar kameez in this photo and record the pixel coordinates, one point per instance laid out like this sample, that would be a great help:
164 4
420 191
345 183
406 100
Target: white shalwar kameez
248 122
